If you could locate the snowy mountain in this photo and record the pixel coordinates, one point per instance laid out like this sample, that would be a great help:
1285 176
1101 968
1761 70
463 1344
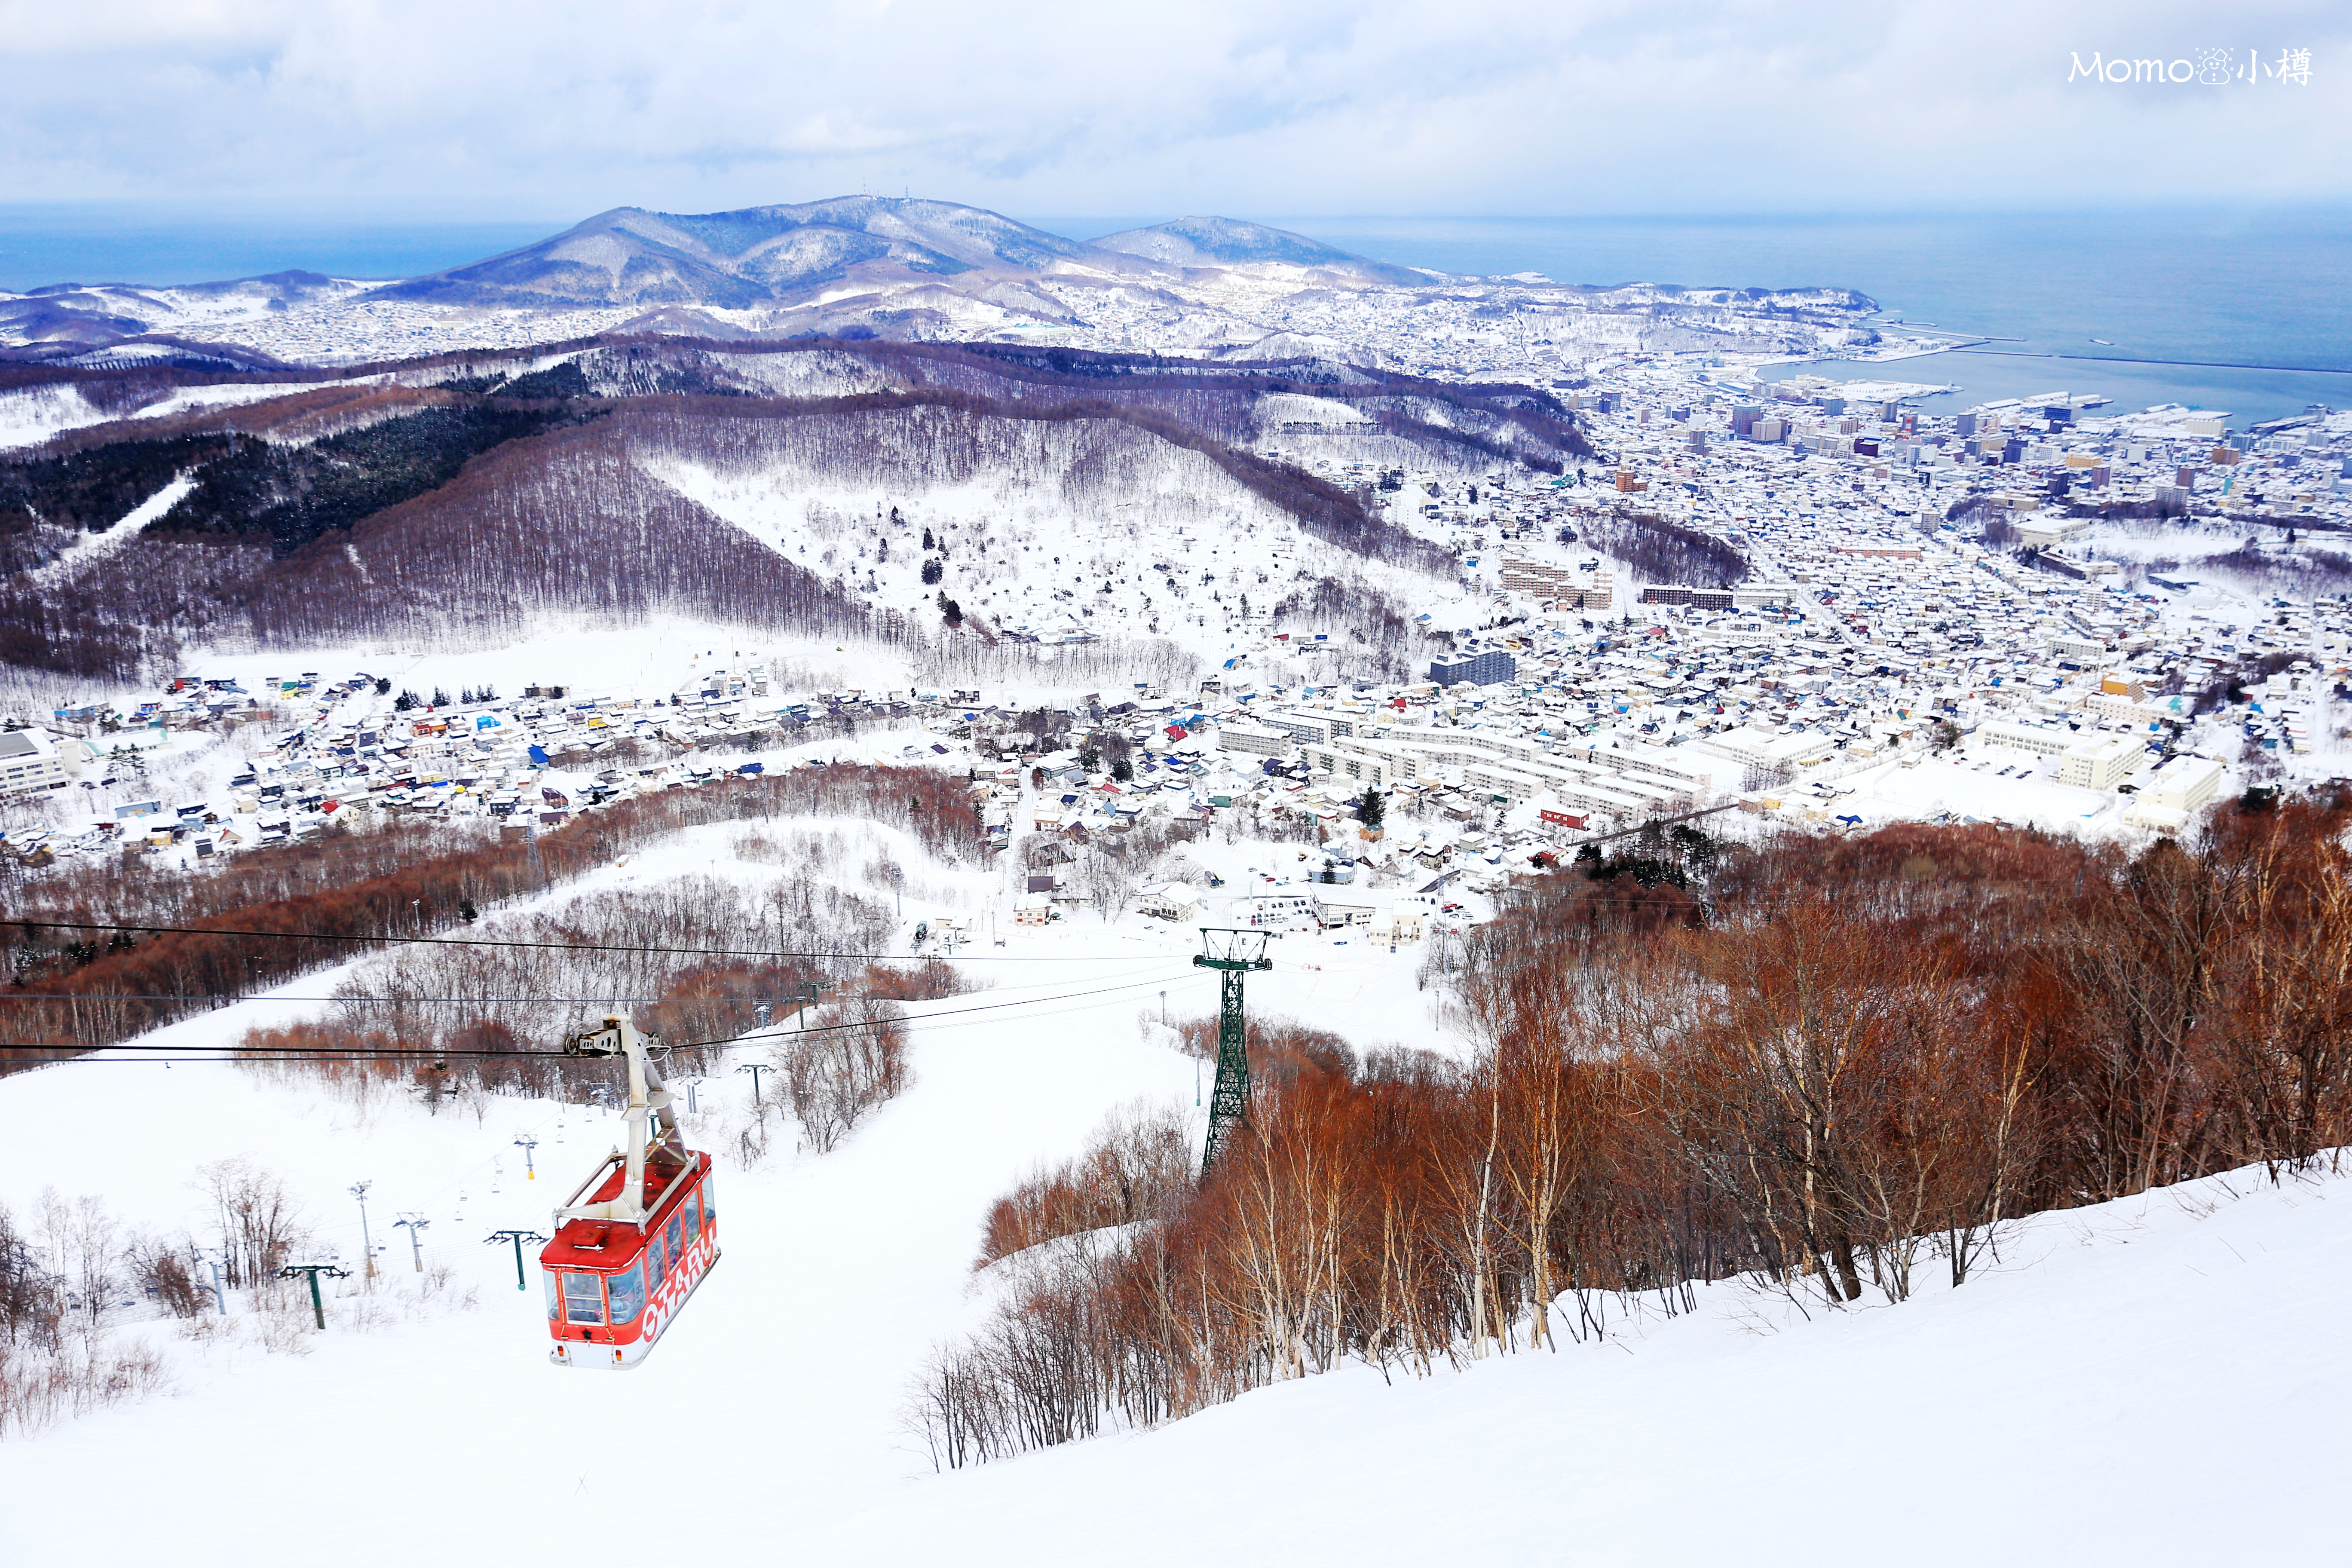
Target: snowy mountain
1227 242
921 270
750 257
904 267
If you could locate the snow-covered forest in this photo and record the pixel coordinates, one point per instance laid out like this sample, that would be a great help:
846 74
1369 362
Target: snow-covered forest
474 495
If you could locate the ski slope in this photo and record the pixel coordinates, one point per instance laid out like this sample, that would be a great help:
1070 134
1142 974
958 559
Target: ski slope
2156 1380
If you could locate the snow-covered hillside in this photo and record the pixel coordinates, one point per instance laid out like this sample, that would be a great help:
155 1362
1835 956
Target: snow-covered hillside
33 414
1054 531
2018 1417
2155 1380
2152 1381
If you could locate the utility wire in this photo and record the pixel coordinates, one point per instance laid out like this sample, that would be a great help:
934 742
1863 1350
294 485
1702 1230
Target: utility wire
233 998
226 999
569 946
249 1052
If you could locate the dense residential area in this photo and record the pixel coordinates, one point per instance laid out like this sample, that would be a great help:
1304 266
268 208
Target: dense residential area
1787 622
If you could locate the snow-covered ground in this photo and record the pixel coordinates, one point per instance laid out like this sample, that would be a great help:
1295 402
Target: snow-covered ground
33 414
2158 1380
1089 531
1985 784
91 546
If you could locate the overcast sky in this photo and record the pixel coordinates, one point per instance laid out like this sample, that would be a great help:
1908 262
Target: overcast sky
488 109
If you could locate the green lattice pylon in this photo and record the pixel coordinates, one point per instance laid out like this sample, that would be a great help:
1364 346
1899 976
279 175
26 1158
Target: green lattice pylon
1235 955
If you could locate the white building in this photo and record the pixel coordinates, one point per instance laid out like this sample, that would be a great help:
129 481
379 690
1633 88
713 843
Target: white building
2042 535
2183 782
1373 763
2175 791
30 761
2025 737
1176 901
2103 762
1286 911
1254 739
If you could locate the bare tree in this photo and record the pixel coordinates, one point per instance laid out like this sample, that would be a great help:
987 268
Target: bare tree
839 1071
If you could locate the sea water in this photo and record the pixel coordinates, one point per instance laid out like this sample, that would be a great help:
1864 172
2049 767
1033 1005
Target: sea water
2234 287
48 244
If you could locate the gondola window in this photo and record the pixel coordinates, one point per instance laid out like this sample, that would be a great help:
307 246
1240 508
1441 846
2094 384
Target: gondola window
584 1298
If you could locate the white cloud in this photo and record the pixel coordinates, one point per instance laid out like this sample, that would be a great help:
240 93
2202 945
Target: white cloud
1298 106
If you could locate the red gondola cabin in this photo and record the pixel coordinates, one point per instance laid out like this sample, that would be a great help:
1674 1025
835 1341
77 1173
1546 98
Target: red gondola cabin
638 1236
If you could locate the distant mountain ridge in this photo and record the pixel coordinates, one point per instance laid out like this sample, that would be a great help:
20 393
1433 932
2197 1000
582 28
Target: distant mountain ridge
1228 242
765 255
895 266
748 257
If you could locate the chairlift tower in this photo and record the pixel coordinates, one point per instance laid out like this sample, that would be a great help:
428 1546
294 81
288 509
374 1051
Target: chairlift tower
1232 953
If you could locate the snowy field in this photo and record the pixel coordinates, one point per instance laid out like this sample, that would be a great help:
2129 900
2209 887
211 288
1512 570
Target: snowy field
2158 1381
32 414
1986 784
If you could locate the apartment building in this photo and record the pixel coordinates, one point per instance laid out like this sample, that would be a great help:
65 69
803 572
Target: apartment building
2102 763
30 761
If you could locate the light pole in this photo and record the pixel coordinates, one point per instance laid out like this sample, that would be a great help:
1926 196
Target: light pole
359 1191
